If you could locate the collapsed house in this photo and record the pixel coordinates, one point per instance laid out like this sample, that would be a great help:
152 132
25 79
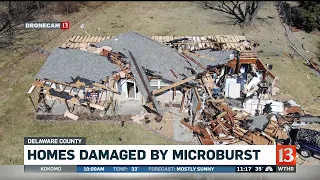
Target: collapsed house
227 92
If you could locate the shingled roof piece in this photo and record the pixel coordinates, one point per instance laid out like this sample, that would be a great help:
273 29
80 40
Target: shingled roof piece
64 65
155 57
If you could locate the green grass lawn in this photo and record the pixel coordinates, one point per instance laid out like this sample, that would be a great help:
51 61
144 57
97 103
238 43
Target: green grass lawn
17 119
298 80
18 68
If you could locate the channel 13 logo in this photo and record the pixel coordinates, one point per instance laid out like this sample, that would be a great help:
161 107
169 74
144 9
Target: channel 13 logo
65 25
286 155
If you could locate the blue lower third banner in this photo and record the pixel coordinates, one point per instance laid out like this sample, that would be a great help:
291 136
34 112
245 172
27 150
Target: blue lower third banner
175 169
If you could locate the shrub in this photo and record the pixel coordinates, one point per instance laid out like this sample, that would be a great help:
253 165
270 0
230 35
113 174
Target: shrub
306 16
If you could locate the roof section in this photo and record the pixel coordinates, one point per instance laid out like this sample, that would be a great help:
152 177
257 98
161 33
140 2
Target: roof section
65 65
152 56
211 58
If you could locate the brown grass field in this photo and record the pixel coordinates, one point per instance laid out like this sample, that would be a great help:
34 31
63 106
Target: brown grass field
18 66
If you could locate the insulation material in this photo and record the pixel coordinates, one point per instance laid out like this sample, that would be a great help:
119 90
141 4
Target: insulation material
293 103
104 95
227 87
53 85
31 89
251 106
108 48
254 104
277 107
234 90
253 82
71 116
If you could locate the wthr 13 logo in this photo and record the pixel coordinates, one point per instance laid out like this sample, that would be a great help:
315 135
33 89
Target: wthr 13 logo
286 155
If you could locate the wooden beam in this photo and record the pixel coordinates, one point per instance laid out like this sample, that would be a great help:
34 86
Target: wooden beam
173 85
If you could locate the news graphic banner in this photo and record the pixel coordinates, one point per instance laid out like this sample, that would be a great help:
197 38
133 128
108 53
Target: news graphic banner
47 25
71 154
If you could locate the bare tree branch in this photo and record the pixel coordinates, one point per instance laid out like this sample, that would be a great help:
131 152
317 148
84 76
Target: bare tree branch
244 11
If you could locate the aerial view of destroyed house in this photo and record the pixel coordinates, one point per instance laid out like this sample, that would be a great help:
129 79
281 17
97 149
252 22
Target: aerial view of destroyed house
116 84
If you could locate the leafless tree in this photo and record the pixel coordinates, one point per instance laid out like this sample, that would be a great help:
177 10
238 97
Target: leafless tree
14 14
243 11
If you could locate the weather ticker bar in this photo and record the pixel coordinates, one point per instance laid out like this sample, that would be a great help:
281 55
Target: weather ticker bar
159 169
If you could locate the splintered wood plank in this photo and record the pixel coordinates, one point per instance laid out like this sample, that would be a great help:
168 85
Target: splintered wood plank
63 45
225 39
91 39
220 39
183 46
85 38
207 40
156 38
203 39
213 38
103 38
99 39
73 38
166 39
76 39
72 45
77 45
68 44
233 39
234 45
237 38
224 47
83 44
229 45
199 42
108 37
242 38
95 38
88 39
161 39
80 39
171 38
198 38
216 38
228 38
194 42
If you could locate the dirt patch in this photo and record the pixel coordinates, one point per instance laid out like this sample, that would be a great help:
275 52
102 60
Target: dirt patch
85 117
164 127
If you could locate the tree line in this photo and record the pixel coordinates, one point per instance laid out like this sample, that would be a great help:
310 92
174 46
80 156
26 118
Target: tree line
13 14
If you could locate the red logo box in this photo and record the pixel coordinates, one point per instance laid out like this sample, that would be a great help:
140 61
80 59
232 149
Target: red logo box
65 25
286 155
